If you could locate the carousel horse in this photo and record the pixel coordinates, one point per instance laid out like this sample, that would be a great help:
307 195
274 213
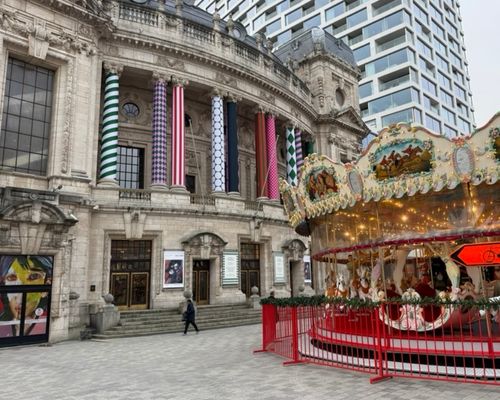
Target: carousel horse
399 255
342 290
452 269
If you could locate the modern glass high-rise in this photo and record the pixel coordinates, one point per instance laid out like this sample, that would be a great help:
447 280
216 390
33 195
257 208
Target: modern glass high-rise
411 52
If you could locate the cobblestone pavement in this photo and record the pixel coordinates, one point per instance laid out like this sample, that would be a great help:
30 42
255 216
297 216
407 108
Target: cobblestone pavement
216 364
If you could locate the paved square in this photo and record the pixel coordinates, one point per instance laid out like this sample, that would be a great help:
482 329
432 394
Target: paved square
216 364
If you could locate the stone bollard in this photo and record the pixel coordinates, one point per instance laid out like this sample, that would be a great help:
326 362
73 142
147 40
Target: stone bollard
255 298
103 317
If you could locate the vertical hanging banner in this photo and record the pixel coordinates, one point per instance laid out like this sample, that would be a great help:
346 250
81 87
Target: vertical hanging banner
173 269
307 269
230 267
279 267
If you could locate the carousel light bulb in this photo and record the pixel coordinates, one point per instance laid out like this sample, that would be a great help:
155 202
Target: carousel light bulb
404 218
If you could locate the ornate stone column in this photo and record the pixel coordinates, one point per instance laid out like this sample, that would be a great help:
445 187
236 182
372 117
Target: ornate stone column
298 148
260 154
178 146
232 146
218 156
272 159
291 162
159 162
109 134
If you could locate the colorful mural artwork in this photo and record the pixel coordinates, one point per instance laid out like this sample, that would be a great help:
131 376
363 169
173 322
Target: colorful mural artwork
19 306
321 183
402 157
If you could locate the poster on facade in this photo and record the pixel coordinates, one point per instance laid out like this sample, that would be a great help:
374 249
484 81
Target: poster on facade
307 269
30 310
279 268
230 267
173 269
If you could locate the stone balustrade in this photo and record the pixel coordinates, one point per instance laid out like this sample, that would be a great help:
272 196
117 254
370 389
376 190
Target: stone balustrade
169 201
175 29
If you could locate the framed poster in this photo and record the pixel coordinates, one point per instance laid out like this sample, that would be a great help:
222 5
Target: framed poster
279 267
173 269
230 267
307 269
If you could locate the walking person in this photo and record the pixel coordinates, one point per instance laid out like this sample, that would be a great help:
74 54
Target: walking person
190 317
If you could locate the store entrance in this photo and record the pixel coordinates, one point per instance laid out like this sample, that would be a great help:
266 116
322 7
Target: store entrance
130 273
201 281
25 295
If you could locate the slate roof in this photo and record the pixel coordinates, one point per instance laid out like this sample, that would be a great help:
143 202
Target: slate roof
299 48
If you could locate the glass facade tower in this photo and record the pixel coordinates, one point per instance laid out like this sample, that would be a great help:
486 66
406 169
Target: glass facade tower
411 53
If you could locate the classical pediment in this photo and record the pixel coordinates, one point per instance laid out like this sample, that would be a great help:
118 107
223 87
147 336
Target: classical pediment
350 118
29 225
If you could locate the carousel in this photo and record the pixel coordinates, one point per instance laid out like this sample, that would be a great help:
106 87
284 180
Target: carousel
389 226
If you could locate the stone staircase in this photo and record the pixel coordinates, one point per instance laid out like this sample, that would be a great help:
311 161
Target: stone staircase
151 322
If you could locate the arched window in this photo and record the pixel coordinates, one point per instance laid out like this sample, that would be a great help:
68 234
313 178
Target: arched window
339 97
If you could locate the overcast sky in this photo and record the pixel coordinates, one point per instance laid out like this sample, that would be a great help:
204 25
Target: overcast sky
480 22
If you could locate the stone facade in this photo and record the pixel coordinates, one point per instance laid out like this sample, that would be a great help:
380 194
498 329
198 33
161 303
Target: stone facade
68 212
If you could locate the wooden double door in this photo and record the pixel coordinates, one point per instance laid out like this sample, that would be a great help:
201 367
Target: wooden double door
130 273
201 281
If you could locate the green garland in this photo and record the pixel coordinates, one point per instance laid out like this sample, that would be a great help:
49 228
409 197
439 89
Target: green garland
356 303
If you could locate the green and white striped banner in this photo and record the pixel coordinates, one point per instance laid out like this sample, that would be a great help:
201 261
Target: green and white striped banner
291 163
109 137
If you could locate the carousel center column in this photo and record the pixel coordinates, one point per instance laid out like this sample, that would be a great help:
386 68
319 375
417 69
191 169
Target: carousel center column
272 160
109 134
260 153
218 155
159 161
178 134
291 163
232 146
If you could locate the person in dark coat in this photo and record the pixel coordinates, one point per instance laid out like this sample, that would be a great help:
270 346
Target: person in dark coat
190 317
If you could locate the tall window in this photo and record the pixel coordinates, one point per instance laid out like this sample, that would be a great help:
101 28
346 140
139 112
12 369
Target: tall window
24 138
131 167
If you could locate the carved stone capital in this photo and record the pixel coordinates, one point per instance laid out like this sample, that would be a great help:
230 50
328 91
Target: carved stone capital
160 77
179 81
259 109
233 98
114 68
216 92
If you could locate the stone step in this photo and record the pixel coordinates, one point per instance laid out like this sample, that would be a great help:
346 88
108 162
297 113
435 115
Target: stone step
181 324
176 316
149 322
179 329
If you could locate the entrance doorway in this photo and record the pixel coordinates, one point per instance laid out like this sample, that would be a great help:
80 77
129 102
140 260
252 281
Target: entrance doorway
25 299
201 281
130 271
250 267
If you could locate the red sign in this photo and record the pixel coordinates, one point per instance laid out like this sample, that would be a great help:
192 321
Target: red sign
477 254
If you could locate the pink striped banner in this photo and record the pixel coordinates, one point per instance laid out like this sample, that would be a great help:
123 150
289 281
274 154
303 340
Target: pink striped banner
178 172
272 160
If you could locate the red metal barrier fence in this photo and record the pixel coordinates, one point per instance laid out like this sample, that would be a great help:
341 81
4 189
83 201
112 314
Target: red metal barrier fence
446 342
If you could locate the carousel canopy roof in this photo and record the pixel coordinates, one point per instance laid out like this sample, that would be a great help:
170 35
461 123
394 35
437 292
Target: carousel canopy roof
408 184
